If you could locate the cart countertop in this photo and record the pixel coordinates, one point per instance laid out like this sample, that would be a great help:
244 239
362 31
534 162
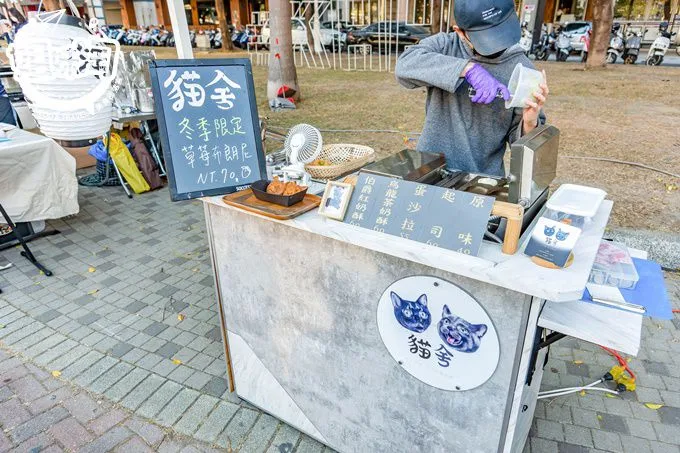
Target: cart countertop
515 272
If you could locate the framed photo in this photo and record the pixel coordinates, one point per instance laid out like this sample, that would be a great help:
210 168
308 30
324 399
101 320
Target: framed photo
335 200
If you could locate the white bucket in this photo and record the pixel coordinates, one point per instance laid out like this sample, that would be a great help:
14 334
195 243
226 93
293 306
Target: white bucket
523 83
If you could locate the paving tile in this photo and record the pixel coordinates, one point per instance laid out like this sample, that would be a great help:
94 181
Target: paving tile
13 413
670 415
110 377
217 421
563 447
157 401
38 424
83 407
168 350
155 328
135 306
192 417
70 433
142 392
615 423
216 386
607 441
234 435
261 433
152 434
106 421
287 437
176 407
108 441
120 349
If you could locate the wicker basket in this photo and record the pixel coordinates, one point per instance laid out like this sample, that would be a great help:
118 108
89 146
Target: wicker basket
343 158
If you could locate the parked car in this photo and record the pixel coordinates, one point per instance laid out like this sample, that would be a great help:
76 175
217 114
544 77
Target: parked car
577 31
340 25
378 34
300 34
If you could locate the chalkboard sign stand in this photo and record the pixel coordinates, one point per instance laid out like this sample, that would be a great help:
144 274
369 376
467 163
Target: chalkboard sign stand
251 124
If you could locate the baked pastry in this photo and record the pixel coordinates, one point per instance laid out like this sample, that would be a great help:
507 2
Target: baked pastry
276 186
291 188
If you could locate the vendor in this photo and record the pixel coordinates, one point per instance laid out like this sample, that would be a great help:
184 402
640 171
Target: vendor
472 132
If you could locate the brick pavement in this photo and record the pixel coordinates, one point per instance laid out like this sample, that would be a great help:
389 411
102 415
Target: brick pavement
130 316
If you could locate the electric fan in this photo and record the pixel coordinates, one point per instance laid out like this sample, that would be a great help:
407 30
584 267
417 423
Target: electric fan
303 145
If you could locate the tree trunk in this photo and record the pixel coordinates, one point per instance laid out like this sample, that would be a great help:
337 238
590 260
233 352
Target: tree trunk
224 26
309 15
435 22
281 63
603 16
667 10
630 9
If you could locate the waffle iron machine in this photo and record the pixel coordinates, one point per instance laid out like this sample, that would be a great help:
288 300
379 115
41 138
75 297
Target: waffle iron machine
533 166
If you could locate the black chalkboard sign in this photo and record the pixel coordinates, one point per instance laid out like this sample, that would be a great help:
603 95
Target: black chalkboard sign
434 215
209 127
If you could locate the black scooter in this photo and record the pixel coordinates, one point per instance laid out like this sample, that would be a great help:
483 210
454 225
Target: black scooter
631 49
541 49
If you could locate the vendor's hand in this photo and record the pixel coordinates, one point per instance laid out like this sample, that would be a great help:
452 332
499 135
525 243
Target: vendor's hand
533 108
485 85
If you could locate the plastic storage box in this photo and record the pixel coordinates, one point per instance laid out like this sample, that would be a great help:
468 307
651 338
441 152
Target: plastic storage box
614 266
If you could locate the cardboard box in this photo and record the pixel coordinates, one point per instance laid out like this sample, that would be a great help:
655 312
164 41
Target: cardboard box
83 159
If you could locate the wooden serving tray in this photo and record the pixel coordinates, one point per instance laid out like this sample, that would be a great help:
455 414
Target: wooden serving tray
246 200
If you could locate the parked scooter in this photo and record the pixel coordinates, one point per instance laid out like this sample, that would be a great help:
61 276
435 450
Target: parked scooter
542 48
563 46
615 50
527 38
660 46
632 47
217 40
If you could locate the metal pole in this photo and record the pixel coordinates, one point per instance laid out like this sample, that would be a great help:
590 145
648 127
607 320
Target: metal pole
180 29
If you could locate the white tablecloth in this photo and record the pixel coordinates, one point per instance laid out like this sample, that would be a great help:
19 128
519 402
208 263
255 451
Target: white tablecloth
37 178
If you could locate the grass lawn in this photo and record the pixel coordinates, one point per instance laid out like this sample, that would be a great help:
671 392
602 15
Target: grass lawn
623 112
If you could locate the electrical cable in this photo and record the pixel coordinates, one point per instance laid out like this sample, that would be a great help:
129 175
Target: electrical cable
570 388
616 161
600 389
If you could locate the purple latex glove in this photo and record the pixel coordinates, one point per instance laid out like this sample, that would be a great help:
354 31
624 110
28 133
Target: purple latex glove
485 85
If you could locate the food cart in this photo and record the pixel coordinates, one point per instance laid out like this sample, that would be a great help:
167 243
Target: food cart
373 337
304 303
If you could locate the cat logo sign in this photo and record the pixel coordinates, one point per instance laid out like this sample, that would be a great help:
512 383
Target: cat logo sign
438 333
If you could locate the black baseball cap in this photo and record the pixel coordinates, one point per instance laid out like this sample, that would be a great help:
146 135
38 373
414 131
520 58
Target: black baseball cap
491 25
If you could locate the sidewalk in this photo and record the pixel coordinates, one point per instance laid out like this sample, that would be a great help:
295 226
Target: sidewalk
129 317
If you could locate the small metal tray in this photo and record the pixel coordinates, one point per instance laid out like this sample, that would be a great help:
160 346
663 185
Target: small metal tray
259 189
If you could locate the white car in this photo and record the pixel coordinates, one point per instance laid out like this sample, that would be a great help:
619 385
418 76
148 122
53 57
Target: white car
300 34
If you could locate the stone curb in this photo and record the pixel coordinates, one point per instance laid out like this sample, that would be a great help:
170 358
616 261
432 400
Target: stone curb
664 248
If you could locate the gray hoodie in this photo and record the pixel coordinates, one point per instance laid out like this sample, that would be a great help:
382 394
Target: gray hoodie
473 137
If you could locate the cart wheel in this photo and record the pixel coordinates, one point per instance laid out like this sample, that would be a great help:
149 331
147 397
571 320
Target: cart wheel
629 60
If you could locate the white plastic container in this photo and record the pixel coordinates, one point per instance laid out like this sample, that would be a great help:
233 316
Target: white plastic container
576 200
614 267
523 83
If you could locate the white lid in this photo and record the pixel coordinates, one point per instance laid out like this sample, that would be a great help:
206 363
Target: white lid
576 200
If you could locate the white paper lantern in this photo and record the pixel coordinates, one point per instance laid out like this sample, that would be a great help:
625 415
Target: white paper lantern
65 73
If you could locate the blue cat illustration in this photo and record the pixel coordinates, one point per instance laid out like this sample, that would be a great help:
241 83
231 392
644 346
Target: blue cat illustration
415 316
333 201
548 231
459 334
562 235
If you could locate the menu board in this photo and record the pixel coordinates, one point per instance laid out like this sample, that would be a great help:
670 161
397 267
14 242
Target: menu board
434 215
208 124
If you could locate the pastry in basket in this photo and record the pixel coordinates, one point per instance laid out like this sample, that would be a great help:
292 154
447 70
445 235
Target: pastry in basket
292 188
276 187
